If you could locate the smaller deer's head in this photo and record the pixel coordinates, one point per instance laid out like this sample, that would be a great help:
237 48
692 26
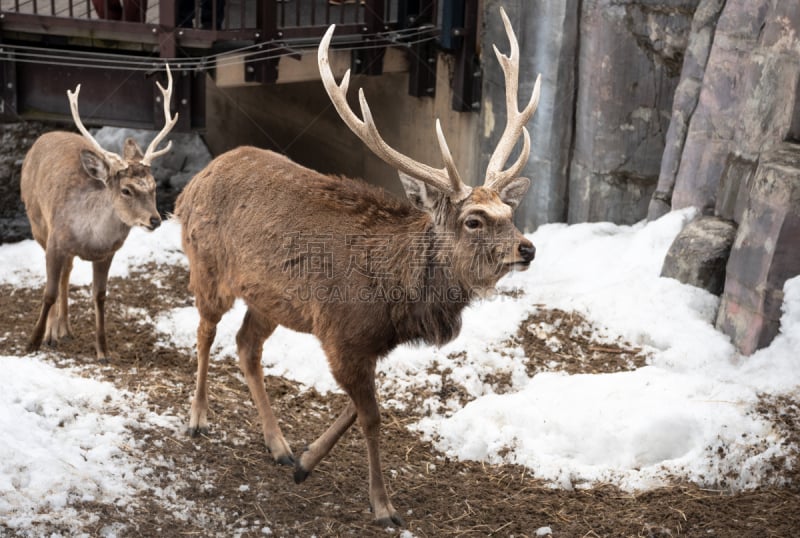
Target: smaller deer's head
482 242
127 177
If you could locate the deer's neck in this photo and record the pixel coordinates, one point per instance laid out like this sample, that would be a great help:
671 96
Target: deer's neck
433 297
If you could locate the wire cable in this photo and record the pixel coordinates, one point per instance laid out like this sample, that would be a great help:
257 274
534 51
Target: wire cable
248 53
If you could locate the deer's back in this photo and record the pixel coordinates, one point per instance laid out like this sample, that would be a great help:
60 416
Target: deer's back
260 227
258 195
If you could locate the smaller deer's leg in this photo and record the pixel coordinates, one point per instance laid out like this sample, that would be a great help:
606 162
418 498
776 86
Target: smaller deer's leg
250 343
320 448
99 282
198 418
58 328
54 262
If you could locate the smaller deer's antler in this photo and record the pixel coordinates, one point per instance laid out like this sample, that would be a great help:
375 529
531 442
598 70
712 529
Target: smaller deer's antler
170 122
115 162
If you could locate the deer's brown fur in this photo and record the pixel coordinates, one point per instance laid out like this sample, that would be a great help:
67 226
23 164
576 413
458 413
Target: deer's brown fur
82 201
239 217
346 262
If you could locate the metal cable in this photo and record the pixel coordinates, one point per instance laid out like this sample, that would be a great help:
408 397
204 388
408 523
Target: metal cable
248 53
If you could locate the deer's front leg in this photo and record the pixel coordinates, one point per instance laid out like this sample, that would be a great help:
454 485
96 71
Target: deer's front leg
369 417
99 282
356 375
55 262
58 328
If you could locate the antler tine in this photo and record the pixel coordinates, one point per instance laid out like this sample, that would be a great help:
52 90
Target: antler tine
116 162
496 177
445 179
170 122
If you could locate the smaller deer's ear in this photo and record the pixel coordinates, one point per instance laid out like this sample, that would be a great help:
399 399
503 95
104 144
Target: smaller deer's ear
420 194
513 193
131 150
94 165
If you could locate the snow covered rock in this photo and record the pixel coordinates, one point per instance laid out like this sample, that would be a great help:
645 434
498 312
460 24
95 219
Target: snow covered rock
699 253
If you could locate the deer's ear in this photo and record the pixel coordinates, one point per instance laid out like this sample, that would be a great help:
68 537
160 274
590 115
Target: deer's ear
513 193
131 150
420 194
94 165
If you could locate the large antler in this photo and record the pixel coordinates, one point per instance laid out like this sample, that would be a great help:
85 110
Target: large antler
115 162
445 179
170 122
496 177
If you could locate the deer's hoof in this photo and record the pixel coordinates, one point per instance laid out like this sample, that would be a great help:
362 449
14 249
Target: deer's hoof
300 474
286 459
393 520
197 431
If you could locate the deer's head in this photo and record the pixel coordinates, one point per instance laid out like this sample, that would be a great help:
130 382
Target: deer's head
486 244
127 177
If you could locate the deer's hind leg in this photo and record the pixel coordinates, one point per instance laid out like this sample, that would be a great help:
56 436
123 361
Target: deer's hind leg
250 343
211 305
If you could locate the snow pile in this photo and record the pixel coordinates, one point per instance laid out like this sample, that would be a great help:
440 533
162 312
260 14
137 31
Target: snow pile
24 266
688 413
66 439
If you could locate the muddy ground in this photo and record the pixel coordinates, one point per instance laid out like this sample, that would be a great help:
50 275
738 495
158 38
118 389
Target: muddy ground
227 484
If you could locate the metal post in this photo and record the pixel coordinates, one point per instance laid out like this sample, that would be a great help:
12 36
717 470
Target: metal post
467 76
266 70
369 61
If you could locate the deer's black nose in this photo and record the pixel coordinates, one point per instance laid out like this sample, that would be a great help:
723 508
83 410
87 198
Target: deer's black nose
527 251
155 222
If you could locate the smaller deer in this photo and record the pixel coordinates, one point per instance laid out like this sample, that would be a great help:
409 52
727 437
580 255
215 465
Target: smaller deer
82 201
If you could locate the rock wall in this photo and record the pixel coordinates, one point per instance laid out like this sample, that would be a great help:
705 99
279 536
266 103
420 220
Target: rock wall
629 65
609 70
765 253
748 102
685 101
736 109
15 139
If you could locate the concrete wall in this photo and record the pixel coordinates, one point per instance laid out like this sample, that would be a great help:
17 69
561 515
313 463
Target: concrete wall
297 119
609 71
548 40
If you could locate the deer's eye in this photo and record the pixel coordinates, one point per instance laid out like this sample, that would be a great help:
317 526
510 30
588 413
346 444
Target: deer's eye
125 191
473 224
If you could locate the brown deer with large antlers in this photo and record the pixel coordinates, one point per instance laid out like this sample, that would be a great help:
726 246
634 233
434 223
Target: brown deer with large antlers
82 201
334 257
